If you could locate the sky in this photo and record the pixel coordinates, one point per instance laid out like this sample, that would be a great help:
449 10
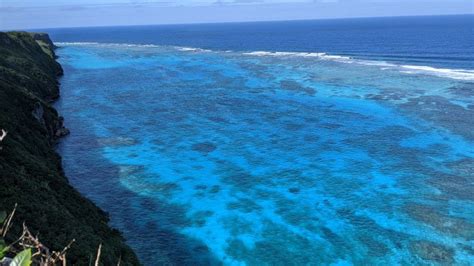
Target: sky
35 14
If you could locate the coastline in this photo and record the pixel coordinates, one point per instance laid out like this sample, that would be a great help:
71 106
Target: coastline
31 169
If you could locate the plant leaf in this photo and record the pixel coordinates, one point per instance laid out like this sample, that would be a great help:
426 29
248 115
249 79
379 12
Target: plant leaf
3 216
22 259
3 248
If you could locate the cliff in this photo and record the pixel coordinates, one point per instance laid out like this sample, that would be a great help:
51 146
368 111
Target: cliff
30 170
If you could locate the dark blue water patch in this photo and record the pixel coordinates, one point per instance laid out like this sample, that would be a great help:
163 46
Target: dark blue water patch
204 147
439 41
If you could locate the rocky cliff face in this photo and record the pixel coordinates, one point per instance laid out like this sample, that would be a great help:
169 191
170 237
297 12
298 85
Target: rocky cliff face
30 170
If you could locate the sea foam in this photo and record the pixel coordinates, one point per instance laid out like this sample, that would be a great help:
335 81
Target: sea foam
457 74
461 74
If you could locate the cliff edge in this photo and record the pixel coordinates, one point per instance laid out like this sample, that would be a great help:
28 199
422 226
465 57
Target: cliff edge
30 170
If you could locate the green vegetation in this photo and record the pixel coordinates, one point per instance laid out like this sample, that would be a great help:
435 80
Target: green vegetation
23 257
28 249
30 170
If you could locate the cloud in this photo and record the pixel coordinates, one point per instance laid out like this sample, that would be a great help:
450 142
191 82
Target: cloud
73 8
224 2
325 1
15 14
266 2
10 9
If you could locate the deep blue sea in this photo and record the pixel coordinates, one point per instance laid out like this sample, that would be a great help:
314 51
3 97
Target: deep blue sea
331 142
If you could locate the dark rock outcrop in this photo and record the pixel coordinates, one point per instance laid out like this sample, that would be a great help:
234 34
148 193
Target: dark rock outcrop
43 38
30 170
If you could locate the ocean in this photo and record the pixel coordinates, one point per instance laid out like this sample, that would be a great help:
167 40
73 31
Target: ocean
325 142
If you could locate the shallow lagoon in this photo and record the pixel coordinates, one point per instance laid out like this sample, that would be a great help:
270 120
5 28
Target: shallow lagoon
278 159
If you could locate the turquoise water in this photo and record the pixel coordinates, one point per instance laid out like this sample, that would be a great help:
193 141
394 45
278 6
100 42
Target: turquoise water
259 158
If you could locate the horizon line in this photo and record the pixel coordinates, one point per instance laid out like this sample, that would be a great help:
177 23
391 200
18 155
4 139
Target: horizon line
244 21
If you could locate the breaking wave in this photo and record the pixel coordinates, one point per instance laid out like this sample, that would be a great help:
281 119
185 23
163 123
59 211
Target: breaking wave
458 74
